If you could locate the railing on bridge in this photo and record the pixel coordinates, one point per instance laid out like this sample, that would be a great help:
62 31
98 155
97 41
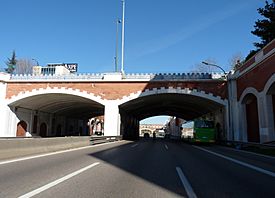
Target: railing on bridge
135 76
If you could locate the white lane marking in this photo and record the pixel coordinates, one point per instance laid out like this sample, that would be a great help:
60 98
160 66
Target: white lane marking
54 153
166 147
249 152
134 145
58 181
186 184
272 174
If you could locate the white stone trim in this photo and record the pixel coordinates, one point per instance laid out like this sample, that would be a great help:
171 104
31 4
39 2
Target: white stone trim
55 90
259 57
265 112
268 109
269 83
249 90
177 90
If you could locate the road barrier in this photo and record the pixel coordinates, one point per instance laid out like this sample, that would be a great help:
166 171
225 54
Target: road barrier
103 139
19 147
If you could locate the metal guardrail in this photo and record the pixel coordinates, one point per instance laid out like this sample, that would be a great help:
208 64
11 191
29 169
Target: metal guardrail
103 139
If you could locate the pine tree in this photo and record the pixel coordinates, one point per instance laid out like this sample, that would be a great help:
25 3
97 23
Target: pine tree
11 63
264 28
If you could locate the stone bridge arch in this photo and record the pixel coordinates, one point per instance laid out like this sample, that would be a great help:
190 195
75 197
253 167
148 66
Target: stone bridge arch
55 90
181 102
172 90
55 107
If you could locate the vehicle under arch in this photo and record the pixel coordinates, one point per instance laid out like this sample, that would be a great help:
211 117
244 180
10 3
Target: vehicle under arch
184 106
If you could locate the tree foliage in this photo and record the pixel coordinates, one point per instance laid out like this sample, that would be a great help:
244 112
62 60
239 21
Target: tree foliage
264 28
11 63
202 68
24 66
235 61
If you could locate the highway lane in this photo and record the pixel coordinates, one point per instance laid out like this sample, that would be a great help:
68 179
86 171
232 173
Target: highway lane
140 169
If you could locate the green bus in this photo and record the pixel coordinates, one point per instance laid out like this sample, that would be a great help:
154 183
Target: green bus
199 131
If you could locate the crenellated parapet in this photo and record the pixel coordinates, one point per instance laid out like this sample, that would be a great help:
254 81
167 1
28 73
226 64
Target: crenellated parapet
119 77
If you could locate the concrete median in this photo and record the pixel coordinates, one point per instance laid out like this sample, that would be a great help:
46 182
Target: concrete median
20 147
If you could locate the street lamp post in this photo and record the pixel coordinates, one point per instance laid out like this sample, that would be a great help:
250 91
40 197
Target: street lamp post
228 95
214 65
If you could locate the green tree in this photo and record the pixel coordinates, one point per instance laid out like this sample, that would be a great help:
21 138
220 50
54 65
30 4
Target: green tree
264 28
11 63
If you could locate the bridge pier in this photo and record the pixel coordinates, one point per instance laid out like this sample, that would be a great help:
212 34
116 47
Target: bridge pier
5 125
269 115
266 120
129 127
232 110
111 119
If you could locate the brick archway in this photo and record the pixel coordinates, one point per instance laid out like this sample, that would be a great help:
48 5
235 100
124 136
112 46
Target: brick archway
179 90
250 103
21 129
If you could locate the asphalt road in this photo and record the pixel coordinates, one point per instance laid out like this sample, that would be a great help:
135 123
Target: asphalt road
144 168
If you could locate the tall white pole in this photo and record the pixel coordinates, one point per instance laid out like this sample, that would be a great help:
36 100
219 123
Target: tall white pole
122 37
116 57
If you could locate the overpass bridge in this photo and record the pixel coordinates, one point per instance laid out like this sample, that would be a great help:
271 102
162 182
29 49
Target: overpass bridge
61 105
243 102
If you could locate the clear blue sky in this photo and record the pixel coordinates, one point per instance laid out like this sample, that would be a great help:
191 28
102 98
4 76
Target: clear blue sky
160 35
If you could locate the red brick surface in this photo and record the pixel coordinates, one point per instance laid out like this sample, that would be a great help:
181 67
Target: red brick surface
257 77
116 90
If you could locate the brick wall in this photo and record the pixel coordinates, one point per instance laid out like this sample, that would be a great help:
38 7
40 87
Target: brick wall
116 90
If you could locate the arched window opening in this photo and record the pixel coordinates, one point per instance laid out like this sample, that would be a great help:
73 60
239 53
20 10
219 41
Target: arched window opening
252 119
21 129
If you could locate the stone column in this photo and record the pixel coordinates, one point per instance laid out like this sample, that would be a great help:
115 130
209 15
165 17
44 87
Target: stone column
269 114
234 110
111 119
5 130
266 124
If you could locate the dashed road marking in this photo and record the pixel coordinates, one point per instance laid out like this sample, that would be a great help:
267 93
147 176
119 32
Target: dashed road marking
58 181
53 153
166 147
186 184
134 145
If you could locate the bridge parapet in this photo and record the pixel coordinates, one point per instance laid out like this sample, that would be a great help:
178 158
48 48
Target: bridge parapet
119 77
4 76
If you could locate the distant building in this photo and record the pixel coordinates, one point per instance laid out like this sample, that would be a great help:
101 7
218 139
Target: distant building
55 69
96 125
149 128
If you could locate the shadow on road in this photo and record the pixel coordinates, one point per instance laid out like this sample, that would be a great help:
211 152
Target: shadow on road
148 160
